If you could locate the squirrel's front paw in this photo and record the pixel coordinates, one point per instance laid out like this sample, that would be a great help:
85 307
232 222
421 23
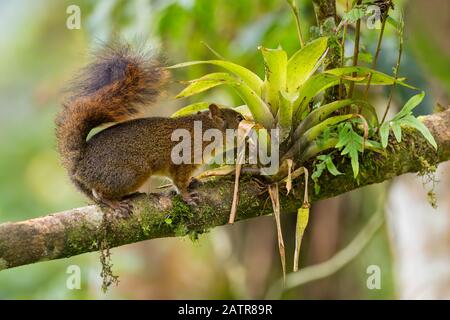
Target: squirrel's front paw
191 198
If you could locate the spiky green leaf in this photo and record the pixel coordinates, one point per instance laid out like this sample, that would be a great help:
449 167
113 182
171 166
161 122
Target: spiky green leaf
204 83
250 78
305 62
322 112
190 109
378 78
260 111
275 62
284 117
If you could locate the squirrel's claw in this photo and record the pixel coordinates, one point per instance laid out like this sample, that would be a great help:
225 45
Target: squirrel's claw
121 209
124 209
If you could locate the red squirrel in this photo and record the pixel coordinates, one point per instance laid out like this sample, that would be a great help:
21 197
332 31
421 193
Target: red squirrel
116 161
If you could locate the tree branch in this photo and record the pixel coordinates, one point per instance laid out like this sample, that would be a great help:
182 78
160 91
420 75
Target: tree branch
324 9
77 231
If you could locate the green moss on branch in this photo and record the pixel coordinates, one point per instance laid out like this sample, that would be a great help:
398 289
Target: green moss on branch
76 231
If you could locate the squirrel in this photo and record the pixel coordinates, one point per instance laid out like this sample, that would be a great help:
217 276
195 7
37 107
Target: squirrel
112 164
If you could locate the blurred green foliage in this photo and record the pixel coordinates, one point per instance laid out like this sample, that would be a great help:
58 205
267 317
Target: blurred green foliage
39 54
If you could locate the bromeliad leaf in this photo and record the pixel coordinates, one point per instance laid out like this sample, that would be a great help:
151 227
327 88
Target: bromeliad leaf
275 61
305 62
275 198
190 109
244 129
318 129
316 147
203 106
320 82
378 78
311 88
260 111
251 79
204 83
284 117
322 112
302 222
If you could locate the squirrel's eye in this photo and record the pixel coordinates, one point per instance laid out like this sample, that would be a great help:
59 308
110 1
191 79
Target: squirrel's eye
240 118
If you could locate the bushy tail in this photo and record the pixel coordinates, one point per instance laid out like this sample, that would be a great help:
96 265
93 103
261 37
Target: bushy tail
113 88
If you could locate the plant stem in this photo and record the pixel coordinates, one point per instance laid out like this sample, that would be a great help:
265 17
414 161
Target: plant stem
375 58
396 69
294 8
326 17
355 53
344 34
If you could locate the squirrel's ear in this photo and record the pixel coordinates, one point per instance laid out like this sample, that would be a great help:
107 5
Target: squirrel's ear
216 115
214 111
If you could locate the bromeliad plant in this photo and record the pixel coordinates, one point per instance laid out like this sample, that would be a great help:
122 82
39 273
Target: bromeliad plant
290 98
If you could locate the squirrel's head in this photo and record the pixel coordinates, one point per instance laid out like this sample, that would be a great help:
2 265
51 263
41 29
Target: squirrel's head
225 118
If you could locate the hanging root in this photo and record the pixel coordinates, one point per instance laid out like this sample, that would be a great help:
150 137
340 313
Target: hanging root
428 175
108 277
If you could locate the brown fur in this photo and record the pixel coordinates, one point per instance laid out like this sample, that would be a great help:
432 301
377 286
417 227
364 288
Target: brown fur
118 160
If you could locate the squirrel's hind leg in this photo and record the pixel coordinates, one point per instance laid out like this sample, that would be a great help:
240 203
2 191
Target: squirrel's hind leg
123 208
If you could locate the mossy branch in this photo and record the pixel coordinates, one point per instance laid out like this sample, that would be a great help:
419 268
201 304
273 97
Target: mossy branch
326 17
73 232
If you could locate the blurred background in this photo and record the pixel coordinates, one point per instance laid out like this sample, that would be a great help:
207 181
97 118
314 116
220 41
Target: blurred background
39 54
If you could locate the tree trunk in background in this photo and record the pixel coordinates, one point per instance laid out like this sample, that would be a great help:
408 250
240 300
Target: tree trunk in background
421 237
